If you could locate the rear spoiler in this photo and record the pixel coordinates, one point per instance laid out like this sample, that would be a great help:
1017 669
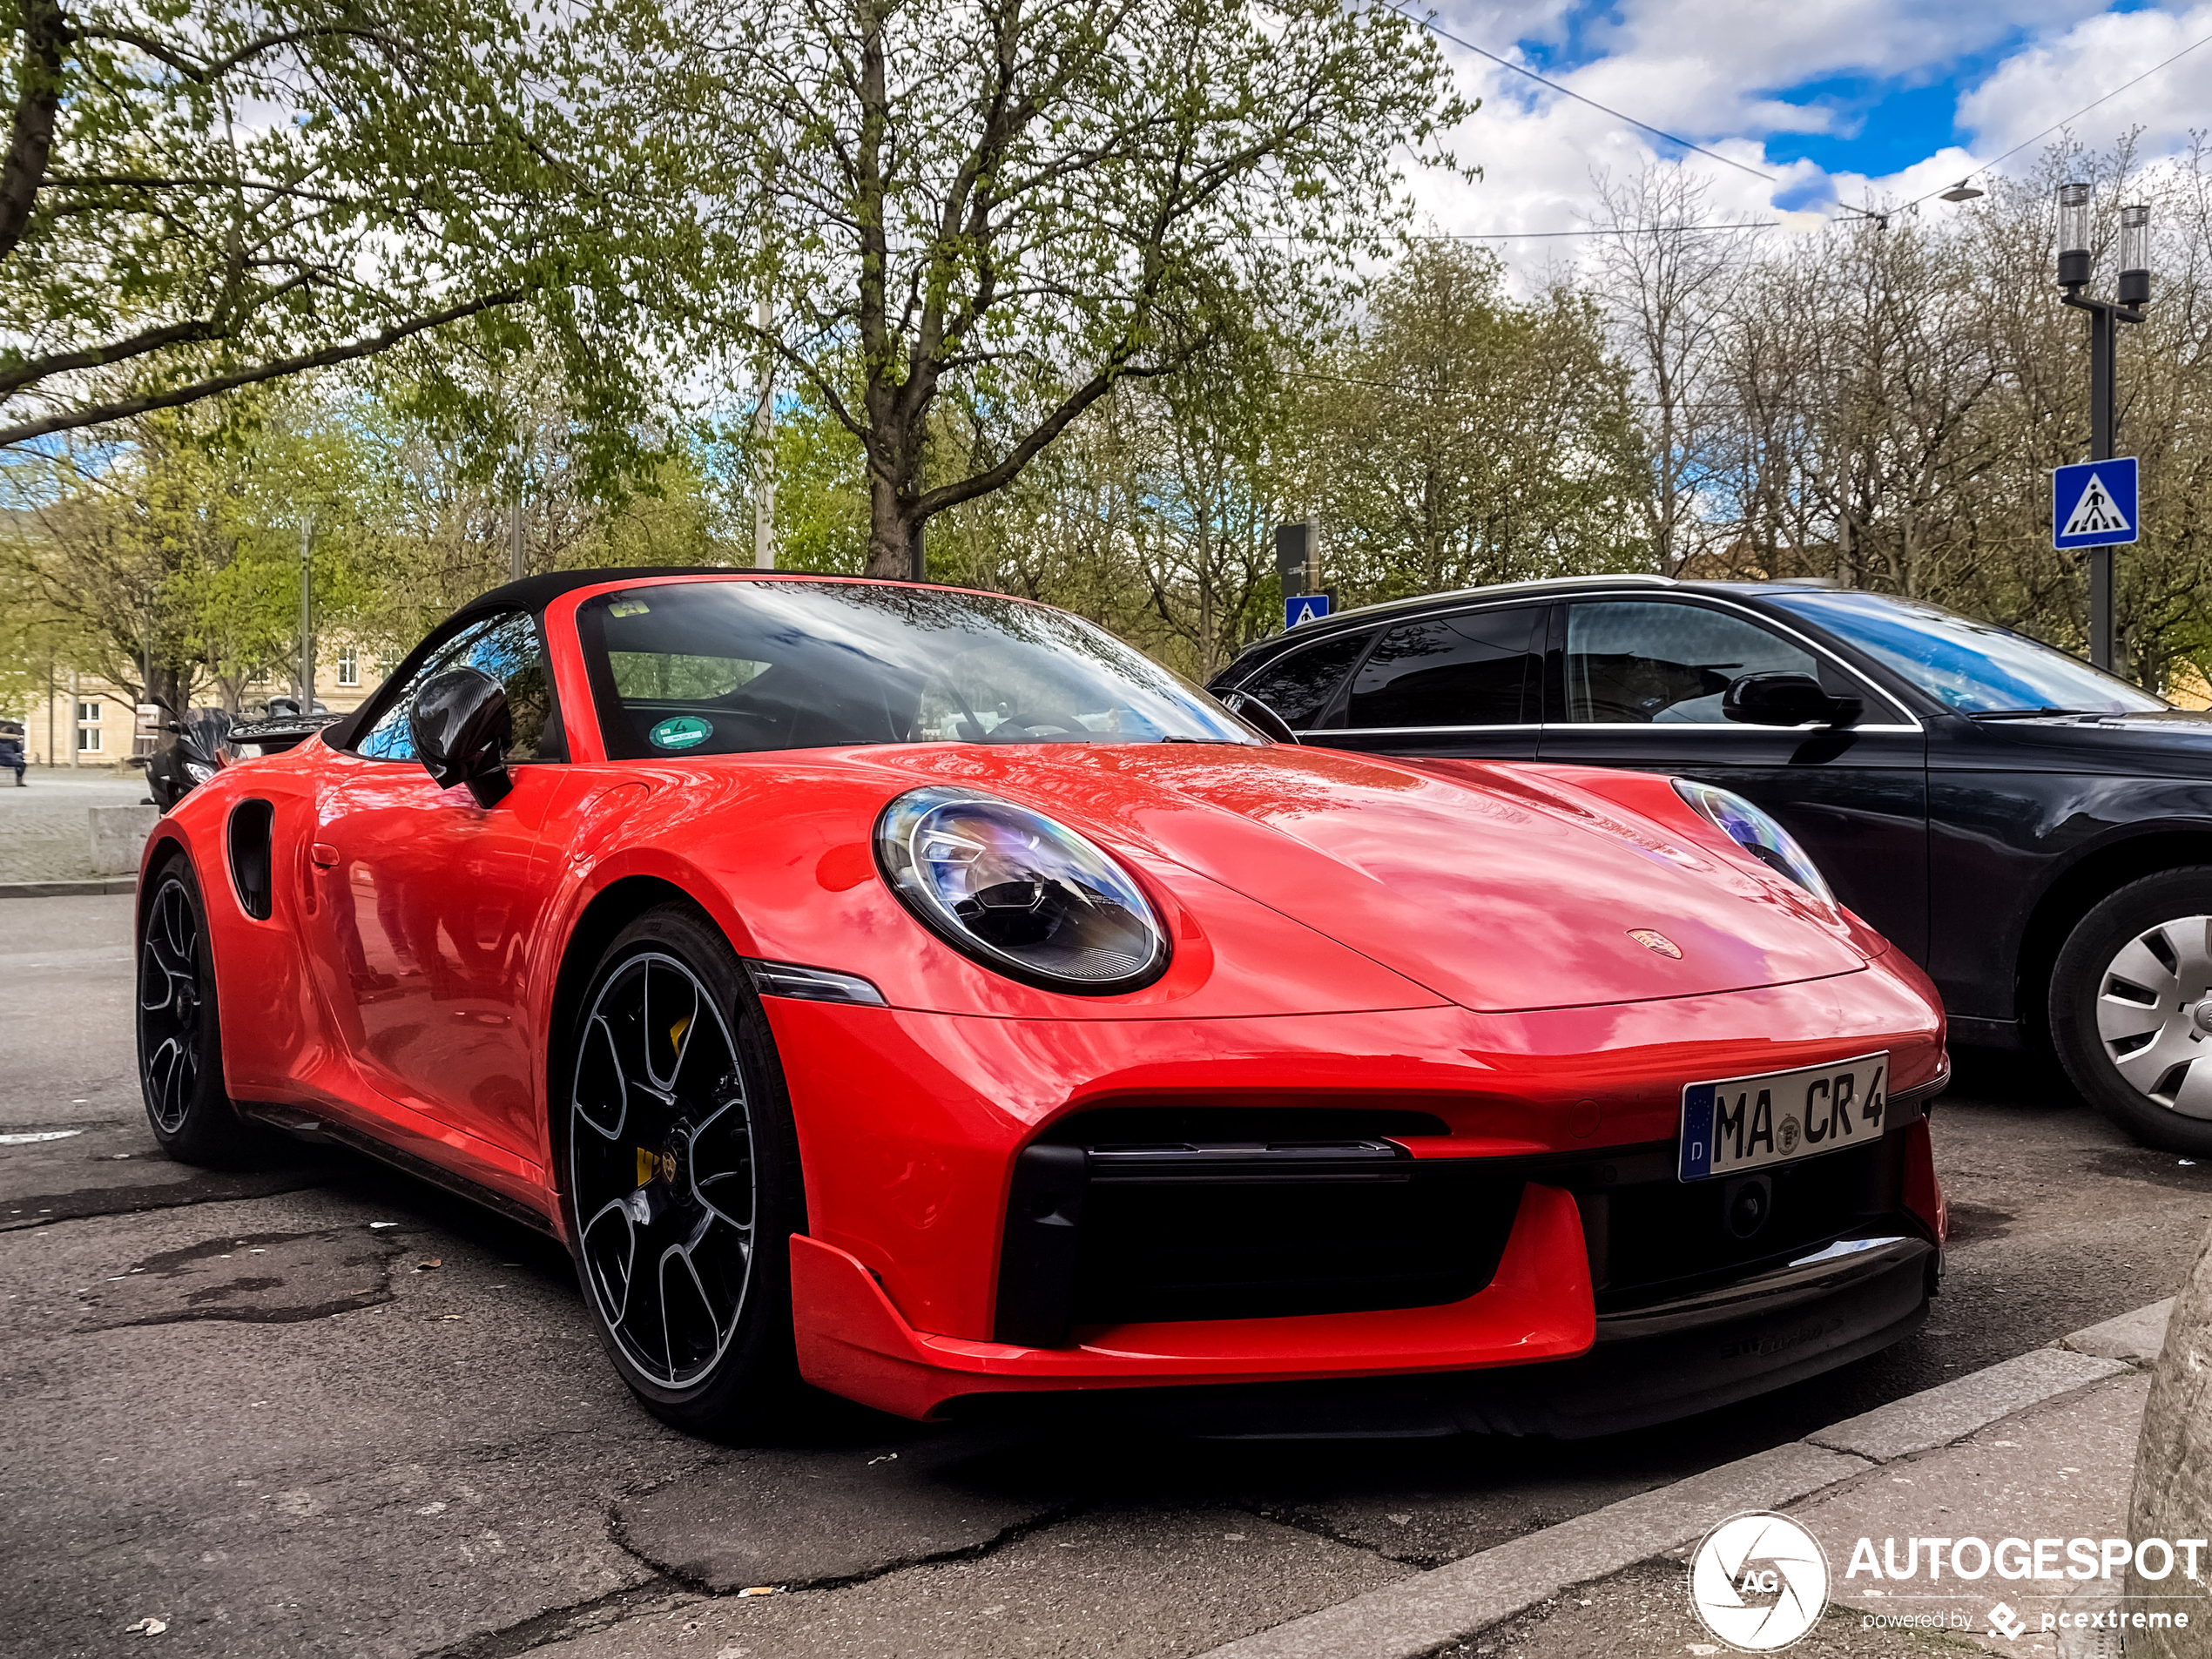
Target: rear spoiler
279 732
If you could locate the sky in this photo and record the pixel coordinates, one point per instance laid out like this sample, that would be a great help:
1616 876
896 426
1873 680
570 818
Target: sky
1840 101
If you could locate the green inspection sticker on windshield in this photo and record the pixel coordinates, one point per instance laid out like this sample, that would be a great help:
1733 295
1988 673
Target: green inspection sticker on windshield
684 732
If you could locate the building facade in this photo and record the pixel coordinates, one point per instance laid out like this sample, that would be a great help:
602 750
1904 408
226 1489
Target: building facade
84 721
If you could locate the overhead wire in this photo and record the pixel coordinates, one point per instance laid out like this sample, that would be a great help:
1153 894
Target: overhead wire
1430 25
2063 121
1879 216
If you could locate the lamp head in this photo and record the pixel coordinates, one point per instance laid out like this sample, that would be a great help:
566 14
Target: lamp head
2073 235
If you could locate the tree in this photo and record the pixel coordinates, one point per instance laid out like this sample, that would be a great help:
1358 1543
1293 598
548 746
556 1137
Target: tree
1460 437
200 197
1668 277
1881 404
1005 205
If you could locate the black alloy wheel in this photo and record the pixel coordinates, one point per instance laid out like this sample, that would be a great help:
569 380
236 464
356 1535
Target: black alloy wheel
2131 1009
682 1174
180 1049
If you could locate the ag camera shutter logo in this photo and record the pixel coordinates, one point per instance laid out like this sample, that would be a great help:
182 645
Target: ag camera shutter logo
1759 1581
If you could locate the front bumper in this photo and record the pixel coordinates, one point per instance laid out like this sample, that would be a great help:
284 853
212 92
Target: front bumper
928 1273
1769 1336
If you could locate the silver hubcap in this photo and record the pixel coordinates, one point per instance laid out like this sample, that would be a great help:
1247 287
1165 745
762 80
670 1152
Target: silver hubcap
2154 1015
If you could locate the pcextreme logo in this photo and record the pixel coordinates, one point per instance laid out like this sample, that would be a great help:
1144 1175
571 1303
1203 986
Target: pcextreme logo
1759 1581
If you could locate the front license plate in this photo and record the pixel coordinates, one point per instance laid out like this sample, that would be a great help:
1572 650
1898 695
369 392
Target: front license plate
1748 1123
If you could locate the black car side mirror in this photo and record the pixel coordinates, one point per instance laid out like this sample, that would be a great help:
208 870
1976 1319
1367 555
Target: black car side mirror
1785 699
461 727
1256 713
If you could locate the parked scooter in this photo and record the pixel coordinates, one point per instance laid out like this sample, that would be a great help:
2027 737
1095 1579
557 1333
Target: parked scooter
194 758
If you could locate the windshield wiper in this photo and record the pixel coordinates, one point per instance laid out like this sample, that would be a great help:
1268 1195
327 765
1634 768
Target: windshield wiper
2033 714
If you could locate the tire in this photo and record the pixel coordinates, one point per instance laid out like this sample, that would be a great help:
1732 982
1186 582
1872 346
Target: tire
676 1141
2131 1009
179 1029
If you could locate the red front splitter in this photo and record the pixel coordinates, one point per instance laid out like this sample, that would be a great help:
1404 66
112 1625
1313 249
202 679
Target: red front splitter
1538 1305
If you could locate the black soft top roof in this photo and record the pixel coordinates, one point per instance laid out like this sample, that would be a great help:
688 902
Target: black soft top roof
534 593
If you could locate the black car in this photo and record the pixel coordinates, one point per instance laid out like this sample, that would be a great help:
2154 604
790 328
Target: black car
2035 833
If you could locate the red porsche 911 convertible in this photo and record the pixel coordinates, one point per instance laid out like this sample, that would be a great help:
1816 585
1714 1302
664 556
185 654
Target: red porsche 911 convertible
921 994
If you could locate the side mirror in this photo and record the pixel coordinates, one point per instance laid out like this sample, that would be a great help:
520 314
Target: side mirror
1785 699
461 727
1256 713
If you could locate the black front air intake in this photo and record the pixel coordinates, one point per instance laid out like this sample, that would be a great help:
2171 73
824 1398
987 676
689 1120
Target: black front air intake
1240 1214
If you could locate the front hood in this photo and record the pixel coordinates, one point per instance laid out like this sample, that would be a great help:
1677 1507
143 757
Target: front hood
1499 888
2170 743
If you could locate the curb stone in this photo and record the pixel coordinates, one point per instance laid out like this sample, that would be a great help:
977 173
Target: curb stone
1953 1410
1417 1616
67 889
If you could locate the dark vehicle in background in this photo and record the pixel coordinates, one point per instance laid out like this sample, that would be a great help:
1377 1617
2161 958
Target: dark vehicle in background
195 756
212 740
2036 834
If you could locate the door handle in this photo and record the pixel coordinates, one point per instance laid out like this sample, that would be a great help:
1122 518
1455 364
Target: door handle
324 855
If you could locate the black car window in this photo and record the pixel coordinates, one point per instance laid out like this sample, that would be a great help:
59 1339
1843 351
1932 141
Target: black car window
1478 668
1301 686
1640 661
508 648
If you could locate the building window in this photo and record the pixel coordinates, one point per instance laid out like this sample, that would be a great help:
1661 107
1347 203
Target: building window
349 667
88 739
88 711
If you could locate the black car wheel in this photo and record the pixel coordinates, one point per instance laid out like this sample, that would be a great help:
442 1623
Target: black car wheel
181 1046
2131 1009
682 1176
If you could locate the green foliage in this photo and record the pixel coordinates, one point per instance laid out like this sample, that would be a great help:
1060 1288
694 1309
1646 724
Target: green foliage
208 195
1005 205
1459 437
821 492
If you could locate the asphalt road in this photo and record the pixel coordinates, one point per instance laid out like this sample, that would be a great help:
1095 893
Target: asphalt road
235 1404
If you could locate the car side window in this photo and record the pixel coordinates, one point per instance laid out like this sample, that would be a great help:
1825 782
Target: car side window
1301 686
1644 662
1477 668
508 648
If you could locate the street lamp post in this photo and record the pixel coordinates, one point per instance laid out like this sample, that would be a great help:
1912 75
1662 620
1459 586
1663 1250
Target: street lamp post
306 615
2105 318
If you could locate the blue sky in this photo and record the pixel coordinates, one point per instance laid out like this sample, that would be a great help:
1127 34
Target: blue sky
1846 100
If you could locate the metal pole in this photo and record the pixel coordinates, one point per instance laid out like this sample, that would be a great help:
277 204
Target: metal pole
764 466
2103 330
517 564
306 618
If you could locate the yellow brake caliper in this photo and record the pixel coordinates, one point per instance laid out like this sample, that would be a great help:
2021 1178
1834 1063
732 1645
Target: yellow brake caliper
649 1163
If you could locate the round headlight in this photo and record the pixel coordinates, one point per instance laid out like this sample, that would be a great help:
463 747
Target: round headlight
1023 895
200 771
1758 833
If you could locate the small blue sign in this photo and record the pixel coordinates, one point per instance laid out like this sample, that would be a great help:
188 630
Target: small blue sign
1303 607
2093 504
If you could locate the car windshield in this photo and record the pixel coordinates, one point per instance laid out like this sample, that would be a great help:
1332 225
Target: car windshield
734 667
1969 667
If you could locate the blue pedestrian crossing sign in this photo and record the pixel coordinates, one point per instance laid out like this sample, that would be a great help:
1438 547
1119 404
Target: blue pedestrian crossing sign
1303 607
2093 504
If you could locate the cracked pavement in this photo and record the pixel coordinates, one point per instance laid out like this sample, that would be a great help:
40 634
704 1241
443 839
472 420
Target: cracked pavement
237 1404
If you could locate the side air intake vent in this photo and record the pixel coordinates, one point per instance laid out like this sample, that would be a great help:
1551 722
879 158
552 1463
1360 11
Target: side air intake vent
249 840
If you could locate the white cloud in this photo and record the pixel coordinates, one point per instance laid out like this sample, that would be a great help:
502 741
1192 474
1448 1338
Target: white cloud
1716 72
2037 86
